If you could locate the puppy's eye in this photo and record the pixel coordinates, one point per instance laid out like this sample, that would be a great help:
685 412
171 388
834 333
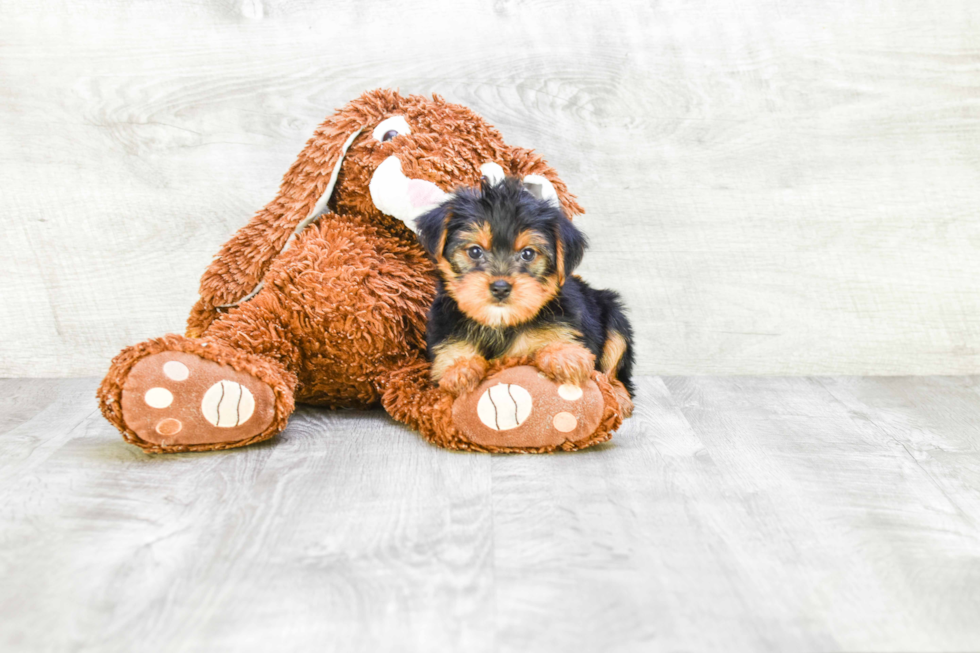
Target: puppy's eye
390 134
475 253
528 254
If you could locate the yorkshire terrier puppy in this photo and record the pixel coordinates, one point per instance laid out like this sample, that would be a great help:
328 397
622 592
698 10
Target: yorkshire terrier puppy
505 258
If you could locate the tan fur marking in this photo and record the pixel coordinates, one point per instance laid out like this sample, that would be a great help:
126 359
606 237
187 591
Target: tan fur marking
612 353
446 270
532 340
440 257
565 362
472 294
477 235
448 353
529 238
560 261
483 236
441 247
528 297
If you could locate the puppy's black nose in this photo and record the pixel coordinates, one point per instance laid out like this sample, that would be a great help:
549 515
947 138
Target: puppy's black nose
500 289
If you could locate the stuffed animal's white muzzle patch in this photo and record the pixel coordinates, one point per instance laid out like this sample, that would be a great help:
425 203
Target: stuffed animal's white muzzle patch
402 197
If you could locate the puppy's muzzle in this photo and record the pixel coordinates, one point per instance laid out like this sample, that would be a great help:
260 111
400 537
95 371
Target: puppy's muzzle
500 289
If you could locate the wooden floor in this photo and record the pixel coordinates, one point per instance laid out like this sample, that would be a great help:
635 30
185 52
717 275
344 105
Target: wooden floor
730 514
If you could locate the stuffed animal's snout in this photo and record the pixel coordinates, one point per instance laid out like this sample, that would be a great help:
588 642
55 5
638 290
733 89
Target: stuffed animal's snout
402 197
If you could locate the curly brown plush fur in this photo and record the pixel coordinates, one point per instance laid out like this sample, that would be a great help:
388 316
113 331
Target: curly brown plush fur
339 320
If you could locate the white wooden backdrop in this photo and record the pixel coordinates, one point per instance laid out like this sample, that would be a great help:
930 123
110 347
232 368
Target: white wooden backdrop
778 187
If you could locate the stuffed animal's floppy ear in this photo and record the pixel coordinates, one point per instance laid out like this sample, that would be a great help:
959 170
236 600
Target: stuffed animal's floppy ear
236 273
569 247
431 228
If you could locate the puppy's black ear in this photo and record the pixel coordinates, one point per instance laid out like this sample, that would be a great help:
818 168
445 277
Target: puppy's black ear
570 247
431 228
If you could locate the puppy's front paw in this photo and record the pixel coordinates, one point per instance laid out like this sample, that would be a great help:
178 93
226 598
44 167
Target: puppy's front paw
463 375
565 362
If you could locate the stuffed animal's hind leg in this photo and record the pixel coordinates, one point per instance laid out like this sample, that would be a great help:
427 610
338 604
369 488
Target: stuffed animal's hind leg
230 388
536 415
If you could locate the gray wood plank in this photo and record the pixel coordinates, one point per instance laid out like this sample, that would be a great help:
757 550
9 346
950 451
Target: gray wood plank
346 531
730 514
776 187
736 514
22 399
849 523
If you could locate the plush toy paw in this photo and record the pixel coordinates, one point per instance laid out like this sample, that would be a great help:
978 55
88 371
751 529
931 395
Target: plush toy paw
521 409
463 375
565 362
623 398
177 398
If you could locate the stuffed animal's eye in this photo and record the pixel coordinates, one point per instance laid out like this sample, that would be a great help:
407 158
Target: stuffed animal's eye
388 128
528 254
475 253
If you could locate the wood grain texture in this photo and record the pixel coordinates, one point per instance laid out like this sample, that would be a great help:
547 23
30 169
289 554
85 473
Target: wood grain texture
776 187
729 514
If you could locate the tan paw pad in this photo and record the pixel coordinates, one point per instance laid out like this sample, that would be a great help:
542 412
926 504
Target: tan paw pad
227 404
565 422
158 398
175 398
504 406
176 371
169 426
520 408
570 392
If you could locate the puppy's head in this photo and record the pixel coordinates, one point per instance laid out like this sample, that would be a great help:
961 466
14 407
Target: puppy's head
502 252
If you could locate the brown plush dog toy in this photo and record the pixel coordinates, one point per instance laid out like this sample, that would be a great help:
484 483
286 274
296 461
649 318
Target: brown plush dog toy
322 298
